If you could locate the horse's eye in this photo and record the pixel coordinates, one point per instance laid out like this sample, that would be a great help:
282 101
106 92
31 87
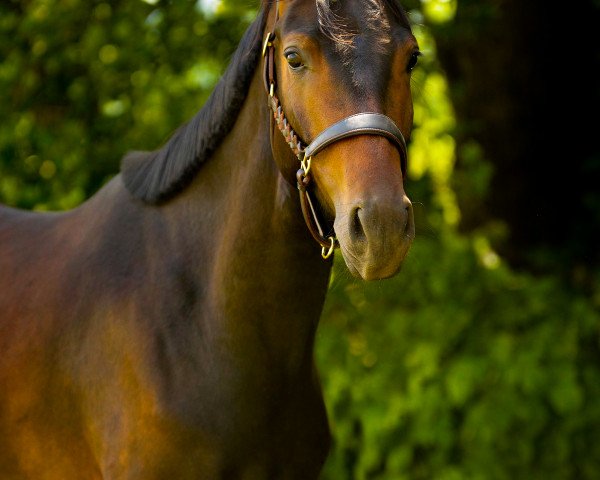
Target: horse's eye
294 60
412 63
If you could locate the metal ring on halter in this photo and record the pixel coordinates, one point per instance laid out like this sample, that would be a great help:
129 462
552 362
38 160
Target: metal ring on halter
326 254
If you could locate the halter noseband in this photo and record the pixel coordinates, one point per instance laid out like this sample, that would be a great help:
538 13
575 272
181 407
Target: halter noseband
367 123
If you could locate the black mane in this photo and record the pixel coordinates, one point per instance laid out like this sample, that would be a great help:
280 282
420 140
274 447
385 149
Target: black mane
157 176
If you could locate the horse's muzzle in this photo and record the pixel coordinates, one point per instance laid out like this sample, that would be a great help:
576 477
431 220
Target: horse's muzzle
375 236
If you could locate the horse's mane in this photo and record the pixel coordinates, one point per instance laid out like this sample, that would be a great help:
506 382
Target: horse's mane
157 176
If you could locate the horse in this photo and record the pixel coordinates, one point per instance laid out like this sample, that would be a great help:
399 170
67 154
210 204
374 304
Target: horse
165 327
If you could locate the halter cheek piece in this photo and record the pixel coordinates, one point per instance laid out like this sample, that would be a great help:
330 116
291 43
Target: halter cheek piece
359 124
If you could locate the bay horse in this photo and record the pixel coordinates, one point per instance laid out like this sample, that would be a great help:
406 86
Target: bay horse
165 327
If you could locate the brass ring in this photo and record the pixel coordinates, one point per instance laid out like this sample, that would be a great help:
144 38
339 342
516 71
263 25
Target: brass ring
327 254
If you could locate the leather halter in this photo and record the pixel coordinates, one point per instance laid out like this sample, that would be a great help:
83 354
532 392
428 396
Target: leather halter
367 123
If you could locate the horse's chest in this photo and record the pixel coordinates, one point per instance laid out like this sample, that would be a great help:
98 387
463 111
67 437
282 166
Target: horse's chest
237 428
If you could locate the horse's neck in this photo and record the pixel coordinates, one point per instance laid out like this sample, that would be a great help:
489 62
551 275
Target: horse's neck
263 271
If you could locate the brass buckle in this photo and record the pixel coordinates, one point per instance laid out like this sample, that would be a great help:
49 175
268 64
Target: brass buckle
268 43
305 163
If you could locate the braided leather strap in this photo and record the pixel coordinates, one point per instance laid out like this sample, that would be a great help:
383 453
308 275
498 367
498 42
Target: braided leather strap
285 128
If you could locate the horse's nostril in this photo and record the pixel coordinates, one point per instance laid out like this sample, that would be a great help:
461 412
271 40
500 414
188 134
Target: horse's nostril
356 228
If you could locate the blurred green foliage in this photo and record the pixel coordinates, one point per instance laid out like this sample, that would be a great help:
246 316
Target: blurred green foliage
455 370
83 82
459 368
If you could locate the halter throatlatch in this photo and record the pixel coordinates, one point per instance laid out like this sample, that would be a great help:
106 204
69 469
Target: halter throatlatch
367 123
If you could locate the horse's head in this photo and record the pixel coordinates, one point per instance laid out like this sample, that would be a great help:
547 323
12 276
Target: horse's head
334 59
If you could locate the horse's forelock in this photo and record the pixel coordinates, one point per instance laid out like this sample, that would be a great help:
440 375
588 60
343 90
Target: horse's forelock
373 21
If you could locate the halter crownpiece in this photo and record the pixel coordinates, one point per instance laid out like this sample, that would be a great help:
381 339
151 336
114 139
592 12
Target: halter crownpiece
366 123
